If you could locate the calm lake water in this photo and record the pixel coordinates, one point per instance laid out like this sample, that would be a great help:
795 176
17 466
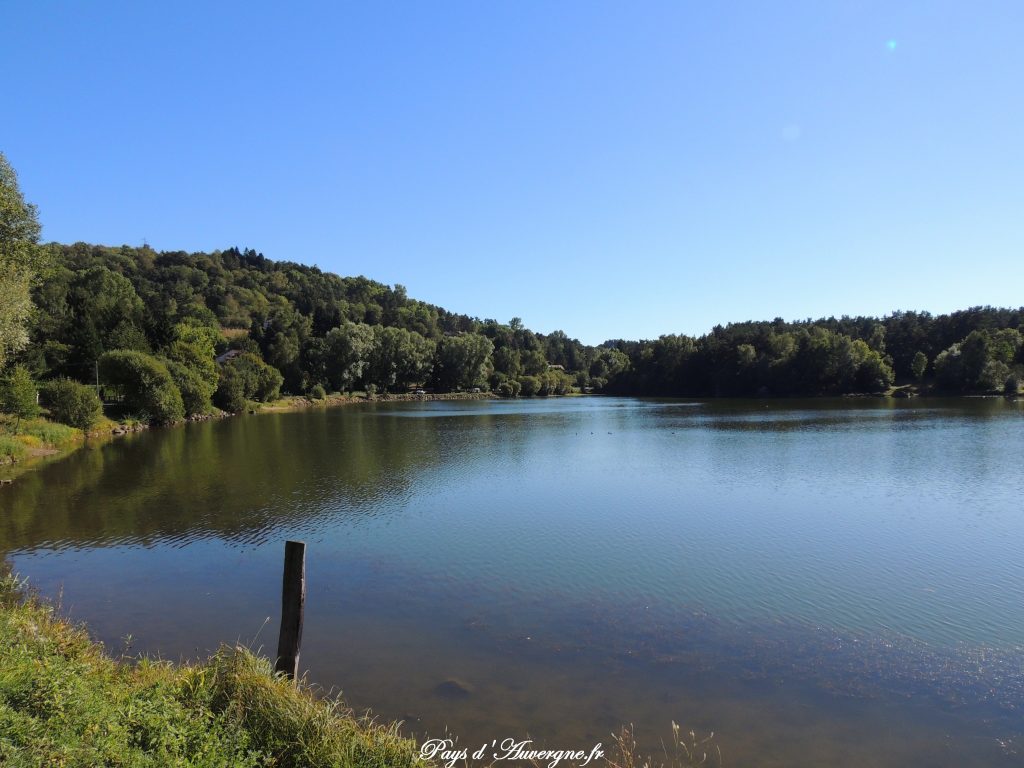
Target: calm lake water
818 582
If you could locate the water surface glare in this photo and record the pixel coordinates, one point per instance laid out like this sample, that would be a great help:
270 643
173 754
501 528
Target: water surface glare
819 582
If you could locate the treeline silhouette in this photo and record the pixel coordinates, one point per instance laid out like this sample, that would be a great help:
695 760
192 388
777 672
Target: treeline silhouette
284 326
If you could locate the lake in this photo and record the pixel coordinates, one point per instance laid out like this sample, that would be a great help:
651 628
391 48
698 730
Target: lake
822 582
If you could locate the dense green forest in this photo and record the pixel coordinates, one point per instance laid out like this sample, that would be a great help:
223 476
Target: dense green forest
171 334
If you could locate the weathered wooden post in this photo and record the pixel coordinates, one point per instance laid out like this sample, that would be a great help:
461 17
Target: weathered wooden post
293 604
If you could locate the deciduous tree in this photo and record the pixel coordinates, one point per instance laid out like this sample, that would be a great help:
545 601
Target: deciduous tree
20 260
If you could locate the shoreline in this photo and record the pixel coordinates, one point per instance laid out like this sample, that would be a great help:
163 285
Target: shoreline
301 402
12 470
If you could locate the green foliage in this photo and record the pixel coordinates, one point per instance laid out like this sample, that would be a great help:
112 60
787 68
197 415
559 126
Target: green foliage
19 394
190 361
11 449
145 384
508 388
461 361
993 376
871 372
975 352
554 382
347 333
347 353
918 365
246 377
399 358
64 702
72 403
533 362
529 385
949 369
196 392
507 361
20 262
1011 385
281 336
231 395
103 313
754 359
318 392
606 365
194 346
981 362
1005 345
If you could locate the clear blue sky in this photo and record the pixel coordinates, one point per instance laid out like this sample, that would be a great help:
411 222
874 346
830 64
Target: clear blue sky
611 169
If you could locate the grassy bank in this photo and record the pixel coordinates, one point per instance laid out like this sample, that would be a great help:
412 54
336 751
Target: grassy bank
22 439
298 402
26 442
65 702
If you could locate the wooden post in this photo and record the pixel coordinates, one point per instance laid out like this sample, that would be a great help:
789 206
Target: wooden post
293 604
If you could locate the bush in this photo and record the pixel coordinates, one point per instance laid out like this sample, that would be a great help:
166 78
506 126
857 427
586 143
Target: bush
268 383
554 383
195 389
230 394
317 392
529 385
247 377
508 388
145 383
72 403
1012 384
18 394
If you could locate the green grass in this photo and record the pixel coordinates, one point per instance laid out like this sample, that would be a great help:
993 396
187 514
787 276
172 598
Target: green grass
49 432
39 431
65 702
11 449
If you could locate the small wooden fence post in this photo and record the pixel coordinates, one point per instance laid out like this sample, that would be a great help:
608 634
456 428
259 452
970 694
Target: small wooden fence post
293 604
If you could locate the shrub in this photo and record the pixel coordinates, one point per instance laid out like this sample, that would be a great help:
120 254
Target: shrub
268 383
529 385
509 388
317 392
247 377
554 383
195 389
1011 385
230 394
145 383
72 403
19 394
